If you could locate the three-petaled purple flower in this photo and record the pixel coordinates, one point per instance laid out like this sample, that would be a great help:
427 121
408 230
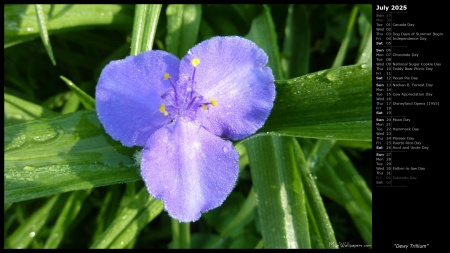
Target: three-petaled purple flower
179 111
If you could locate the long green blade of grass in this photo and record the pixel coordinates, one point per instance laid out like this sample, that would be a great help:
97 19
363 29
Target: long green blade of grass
296 53
17 110
145 22
43 32
262 32
68 214
87 101
183 22
26 232
340 57
279 191
273 163
20 23
320 225
329 104
130 221
66 153
338 179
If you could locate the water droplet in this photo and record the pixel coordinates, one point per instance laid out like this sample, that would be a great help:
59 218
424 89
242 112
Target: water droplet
17 142
225 149
30 29
16 116
332 76
32 234
28 168
364 66
45 137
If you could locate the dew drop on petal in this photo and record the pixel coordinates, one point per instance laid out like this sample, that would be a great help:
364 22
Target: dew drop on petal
225 149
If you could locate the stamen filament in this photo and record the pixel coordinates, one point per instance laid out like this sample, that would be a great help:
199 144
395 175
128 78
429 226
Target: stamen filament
167 77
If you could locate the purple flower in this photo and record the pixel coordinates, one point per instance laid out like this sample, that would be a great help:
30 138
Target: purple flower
180 111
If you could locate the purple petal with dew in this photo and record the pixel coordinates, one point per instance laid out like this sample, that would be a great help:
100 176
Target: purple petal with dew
232 71
128 95
189 168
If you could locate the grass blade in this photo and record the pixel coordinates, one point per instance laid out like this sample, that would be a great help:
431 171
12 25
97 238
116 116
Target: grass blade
331 104
24 234
183 23
130 221
43 32
87 101
20 22
296 42
17 110
279 191
65 153
319 222
145 22
262 32
67 215
344 45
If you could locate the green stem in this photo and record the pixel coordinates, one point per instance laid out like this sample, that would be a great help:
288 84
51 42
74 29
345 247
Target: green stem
344 45
185 235
181 235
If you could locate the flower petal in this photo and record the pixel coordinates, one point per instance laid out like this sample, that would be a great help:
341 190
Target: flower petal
128 95
189 168
231 71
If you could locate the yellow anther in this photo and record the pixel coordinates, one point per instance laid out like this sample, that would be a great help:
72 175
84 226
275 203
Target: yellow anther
166 76
195 62
213 102
204 107
162 109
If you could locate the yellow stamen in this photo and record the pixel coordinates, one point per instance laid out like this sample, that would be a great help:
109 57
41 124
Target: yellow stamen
195 62
162 109
166 76
213 102
204 107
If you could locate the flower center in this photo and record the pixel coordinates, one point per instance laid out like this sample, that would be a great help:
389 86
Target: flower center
182 100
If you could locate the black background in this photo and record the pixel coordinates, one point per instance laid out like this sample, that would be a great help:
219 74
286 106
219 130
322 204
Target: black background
416 214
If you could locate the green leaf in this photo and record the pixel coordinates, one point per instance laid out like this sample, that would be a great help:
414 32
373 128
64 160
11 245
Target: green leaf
334 170
183 22
65 153
346 40
366 9
43 32
145 22
181 235
67 215
20 22
280 198
26 232
322 232
296 55
262 32
244 212
365 48
18 110
87 101
329 104
108 209
130 221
